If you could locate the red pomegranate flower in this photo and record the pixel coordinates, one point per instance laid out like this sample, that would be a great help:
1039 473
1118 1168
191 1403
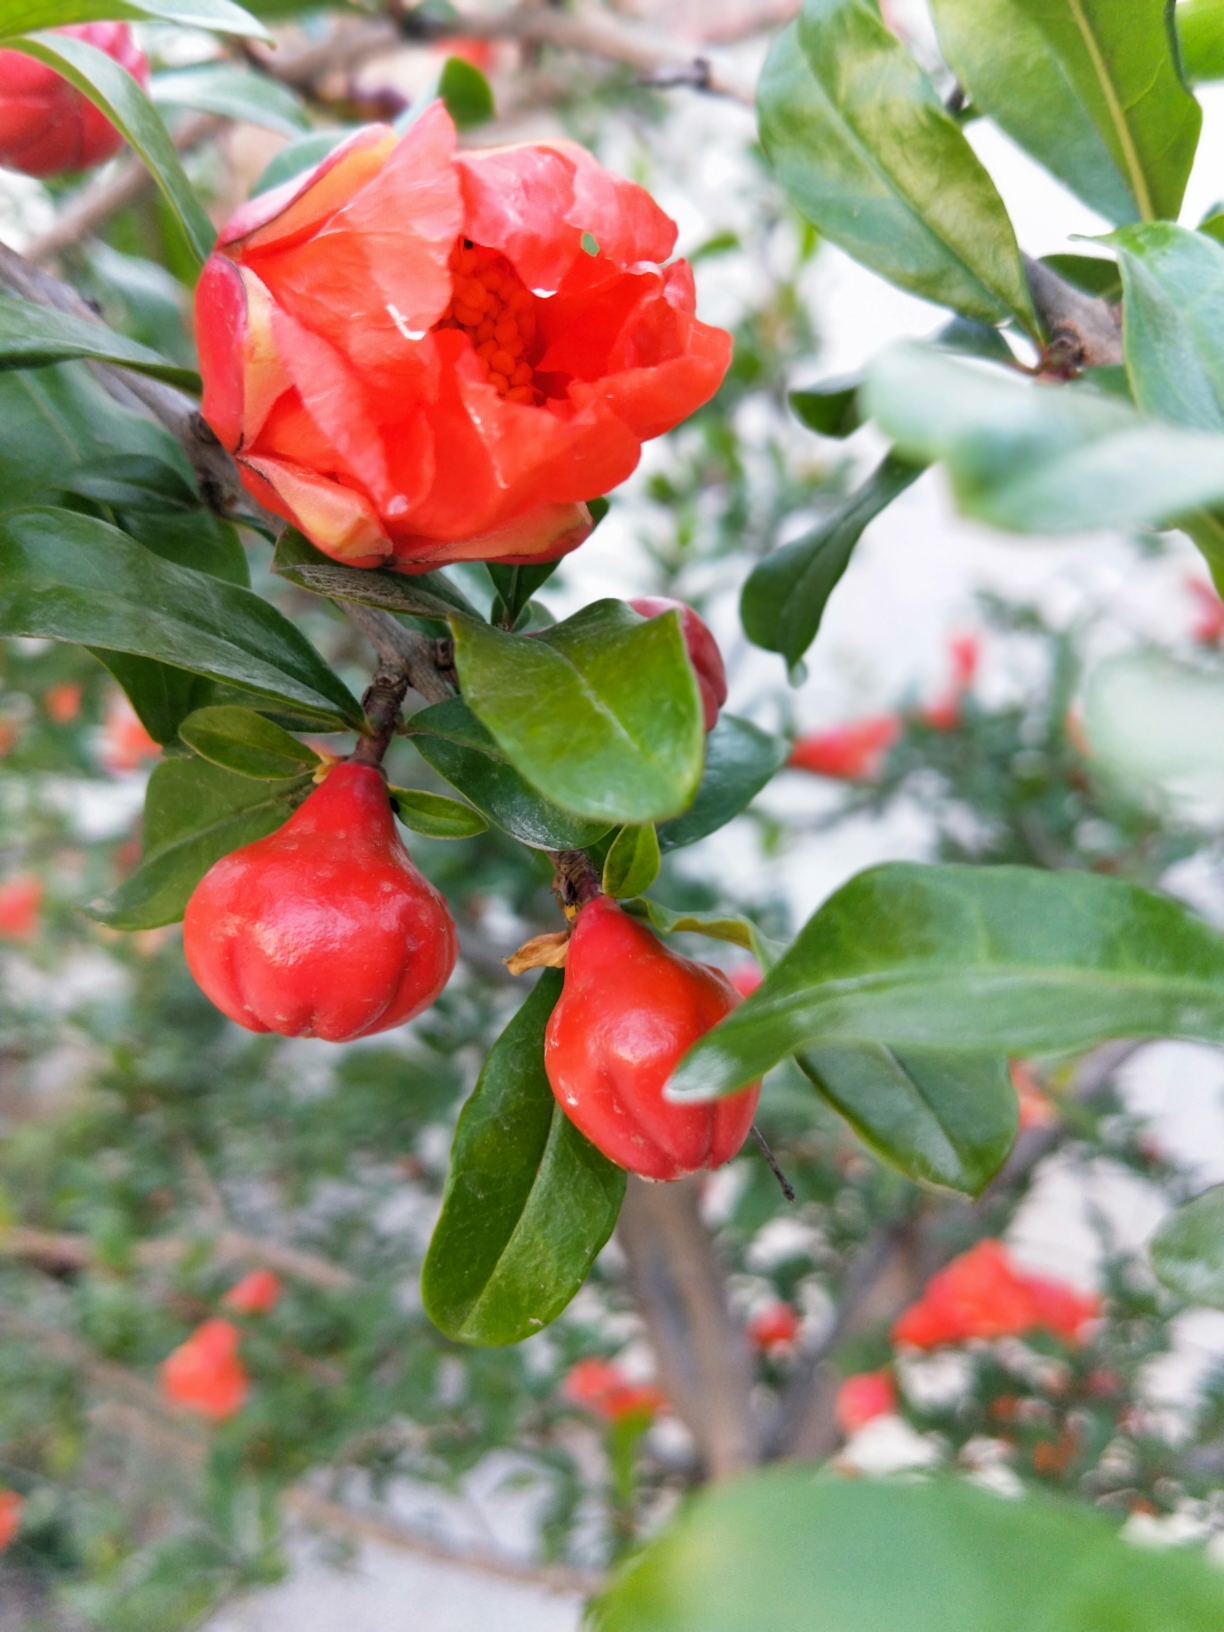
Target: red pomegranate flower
204 1374
20 903
847 753
11 1505
46 124
774 1327
255 1294
862 1398
419 355
983 1294
602 1387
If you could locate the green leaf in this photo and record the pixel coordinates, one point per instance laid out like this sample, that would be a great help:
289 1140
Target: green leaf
529 1202
785 595
790 1550
162 697
222 16
193 538
740 758
1072 96
1188 1249
829 408
31 336
242 741
1040 459
127 107
466 93
515 586
864 148
451 739
436 816
1091 273
973 959
65 576
717 926
1155 725
1200 34
1173 327
233 93
600 713
632 863
421 595
941 1118
195 813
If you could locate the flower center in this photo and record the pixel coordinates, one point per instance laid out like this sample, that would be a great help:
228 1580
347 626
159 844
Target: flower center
496 310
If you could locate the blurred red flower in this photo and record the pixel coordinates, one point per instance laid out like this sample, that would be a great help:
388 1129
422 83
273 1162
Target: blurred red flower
1035 1106
420 355
46 124
63 702
11 1505
255 1294
125 743
847 753
204 1374
1208 628
863 1397
945 713
774 1327
983 1294
20 900
602 1387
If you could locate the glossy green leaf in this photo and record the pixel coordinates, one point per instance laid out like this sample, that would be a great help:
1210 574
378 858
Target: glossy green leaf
1200 34
515 586
127 107
466 93
162 696
222 16
785 595
865 150
529 1202
973 959
829 408
1039 459
421 595
600 713
791 1551
195 813
941 1118
436 816
31 336
68 577
451 739
632 863
189 538
717 926
242 741
740 758
1173 327
233 93
1188 1249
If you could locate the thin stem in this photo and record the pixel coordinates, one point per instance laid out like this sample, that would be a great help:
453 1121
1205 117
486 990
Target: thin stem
577 880
787 1188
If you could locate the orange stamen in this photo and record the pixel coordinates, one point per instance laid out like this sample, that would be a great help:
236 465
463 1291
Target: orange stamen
495 309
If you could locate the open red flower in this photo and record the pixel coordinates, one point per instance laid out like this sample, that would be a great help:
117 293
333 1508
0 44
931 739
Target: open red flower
983 1294
419 355
46 124
204 1374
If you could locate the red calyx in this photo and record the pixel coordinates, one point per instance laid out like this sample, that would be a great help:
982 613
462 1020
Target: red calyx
628 1011
46 125
325 928
703 652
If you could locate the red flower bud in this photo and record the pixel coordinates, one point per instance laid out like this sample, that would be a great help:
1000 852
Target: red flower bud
862 1398
255 1294
774 1327
419 355
703 652
325 928
847 753
46 124
602 1387
20 900
11 1505
204 1374
629 1009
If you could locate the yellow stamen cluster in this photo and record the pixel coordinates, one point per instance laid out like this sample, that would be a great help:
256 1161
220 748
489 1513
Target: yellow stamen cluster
496 310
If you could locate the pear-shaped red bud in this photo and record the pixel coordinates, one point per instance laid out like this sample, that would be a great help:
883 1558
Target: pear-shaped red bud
325 928
703 652
628 1010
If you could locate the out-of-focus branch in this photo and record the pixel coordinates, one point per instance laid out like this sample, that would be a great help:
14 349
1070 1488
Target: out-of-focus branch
1084 331
679 1286
60 1253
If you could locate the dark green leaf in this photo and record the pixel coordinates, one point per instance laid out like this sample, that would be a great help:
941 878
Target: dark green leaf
233 93
600 713
790 1551
1188 1249
864 148
421 595
127 107
466 93
1091 273
740 758
515 586
242 741
1200 34
529 1202
436 816
1173 330
452 740
34 335
785 595
162 697
973 959
193 538
632 862
195 813
223 16
830 408
1040 459
68 577
941 1118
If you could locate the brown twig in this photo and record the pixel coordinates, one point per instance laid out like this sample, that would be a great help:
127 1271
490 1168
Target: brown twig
403 654
577 879
1084 331
60 1253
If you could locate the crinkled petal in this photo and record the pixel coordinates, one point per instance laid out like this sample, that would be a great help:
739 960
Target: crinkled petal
516 199
338 520
299 206
622 217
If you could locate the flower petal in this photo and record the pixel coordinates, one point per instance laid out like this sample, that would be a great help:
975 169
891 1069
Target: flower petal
542 533
288 213
336 519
